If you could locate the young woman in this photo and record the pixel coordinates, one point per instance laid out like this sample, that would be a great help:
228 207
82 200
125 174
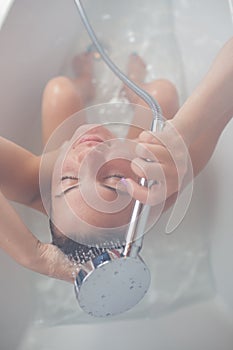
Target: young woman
198 123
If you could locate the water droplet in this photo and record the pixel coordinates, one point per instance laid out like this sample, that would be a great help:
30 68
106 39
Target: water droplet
106 16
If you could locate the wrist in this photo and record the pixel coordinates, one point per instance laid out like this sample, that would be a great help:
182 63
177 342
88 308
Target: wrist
49 260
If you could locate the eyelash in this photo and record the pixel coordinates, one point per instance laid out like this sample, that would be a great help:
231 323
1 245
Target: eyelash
119 176
112 176
69 178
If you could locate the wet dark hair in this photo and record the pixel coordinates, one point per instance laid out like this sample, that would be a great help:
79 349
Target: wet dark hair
74 250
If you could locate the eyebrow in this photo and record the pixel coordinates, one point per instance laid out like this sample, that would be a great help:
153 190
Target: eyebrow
65 191
108 187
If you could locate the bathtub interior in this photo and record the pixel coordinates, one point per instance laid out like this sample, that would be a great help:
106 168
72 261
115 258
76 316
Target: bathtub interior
191 269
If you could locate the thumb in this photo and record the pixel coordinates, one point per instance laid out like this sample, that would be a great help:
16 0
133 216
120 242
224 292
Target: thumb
149 137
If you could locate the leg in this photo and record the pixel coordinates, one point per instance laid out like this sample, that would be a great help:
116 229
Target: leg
63 96
161 89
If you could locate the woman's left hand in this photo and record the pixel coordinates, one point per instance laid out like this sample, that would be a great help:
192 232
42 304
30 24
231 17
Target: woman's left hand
163 159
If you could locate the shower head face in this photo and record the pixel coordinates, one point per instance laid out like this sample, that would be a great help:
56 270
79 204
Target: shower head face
112 287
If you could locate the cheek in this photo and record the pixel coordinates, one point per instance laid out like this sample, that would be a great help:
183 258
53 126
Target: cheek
69 164
63 216
107 195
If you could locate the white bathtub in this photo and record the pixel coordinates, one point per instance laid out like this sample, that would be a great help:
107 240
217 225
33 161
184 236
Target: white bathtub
190 302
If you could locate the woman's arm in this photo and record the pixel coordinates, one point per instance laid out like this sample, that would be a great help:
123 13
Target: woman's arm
19 173
194 131
17 241
212 101
200 153
19 181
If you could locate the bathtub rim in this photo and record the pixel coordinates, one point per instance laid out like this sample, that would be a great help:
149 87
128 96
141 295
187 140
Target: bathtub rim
4 10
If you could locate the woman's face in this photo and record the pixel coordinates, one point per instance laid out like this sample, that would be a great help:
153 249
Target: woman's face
88 205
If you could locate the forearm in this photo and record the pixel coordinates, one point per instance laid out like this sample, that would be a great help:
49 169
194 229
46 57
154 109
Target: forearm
202 149
211 102
200 153
15 238
19 172
18 242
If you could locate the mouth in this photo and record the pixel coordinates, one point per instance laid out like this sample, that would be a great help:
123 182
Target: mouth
90 139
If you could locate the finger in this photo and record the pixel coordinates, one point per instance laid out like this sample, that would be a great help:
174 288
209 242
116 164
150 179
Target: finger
150 137
148 170
153 195
169 137
173 158
152 152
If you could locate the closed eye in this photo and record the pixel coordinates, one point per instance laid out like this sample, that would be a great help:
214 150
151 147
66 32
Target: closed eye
110 181
70 188
113 176
69 178
71 182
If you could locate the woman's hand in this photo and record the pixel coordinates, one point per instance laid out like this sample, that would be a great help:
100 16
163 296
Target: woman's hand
50 260
163 159
19 242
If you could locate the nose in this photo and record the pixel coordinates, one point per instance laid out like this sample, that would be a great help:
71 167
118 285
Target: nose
91 159
122 149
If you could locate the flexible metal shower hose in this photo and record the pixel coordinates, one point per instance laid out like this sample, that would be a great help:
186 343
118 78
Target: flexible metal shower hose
157 124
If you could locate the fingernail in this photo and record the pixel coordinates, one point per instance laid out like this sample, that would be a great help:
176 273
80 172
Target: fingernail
124 182
134 53
122 185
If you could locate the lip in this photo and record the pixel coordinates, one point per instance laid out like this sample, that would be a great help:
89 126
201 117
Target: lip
93 139
90 138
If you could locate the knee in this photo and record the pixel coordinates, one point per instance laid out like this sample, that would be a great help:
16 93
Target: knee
59 87
167 89
61 93
167 96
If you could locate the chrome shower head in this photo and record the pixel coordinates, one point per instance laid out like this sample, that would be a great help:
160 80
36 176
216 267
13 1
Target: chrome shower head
110 285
